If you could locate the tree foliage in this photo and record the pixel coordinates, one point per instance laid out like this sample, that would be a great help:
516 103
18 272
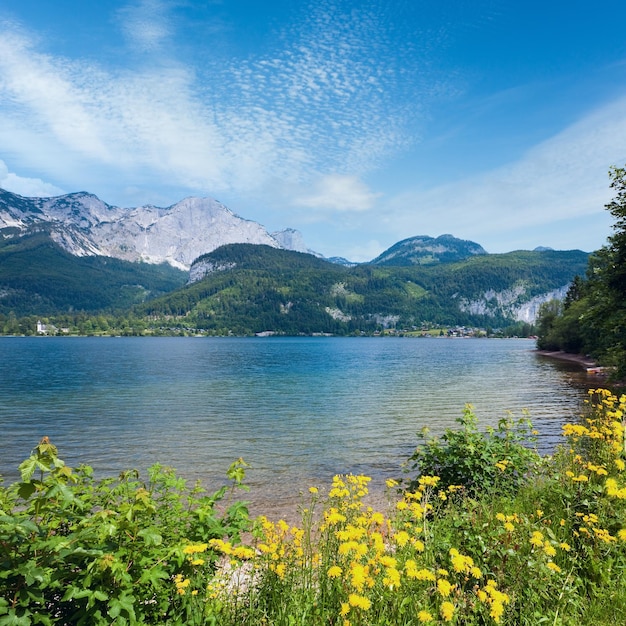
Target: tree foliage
593 317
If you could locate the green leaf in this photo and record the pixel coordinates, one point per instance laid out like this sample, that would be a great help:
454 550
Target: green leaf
26 490
150 536
27 468
12 619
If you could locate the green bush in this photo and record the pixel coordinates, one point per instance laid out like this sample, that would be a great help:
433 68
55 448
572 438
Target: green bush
497 460
75 550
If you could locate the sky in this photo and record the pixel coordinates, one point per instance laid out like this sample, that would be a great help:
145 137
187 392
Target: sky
358 122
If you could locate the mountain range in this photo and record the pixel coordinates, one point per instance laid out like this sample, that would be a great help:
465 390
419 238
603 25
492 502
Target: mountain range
77 253
84 225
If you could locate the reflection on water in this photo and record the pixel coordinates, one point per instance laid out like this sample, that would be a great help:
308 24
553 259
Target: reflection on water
297 409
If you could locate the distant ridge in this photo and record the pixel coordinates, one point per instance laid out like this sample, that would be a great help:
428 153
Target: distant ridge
424 250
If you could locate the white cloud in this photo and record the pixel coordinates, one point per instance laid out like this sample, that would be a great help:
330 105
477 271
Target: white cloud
556 183
28 187
145 24
321 103
340 193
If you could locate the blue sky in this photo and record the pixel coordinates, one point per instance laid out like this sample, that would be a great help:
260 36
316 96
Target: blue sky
360 123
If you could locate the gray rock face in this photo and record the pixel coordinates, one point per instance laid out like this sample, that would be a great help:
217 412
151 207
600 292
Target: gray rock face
84 225
514 303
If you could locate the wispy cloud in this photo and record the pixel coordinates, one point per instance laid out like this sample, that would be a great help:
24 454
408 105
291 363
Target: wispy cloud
558 182
340 193
145 24
318 106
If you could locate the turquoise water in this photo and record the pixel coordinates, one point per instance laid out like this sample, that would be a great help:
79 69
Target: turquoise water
297 409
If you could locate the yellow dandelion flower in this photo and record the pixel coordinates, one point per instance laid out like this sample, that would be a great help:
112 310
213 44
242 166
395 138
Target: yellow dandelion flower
388 561
358 576
392 578
195 548
447 611
313 490
549 549
428 481
360 602
444 587
378 519
424 617
334 572
553 566
537 539
418 545
497 609
402 538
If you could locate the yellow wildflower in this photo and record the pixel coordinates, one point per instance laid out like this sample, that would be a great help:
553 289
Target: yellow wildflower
359 601
447 611
388 561
553 566
424 616
444 587
549 549
428 481
402 538
334 572
195 548
497 609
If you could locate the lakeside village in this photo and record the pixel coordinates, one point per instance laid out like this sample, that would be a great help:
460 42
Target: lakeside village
46 329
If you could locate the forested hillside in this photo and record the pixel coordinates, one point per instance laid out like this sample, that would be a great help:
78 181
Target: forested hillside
37 277
254 288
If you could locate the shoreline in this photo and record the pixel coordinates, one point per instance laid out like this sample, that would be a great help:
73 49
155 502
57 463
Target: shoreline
585 362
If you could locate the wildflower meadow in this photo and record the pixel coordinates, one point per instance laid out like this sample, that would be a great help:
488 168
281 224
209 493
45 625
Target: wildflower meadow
480 530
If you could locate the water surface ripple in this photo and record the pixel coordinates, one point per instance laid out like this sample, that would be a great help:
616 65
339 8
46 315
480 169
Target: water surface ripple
297 409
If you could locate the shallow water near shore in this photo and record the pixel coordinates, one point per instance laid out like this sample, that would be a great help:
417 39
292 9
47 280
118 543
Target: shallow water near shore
298 410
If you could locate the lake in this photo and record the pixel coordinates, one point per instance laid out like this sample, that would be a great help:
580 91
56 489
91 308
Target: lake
298 410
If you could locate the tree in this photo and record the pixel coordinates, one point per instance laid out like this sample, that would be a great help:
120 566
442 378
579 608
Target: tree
592 319
606 284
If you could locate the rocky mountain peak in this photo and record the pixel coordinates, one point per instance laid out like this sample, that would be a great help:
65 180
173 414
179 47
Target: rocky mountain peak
85 225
